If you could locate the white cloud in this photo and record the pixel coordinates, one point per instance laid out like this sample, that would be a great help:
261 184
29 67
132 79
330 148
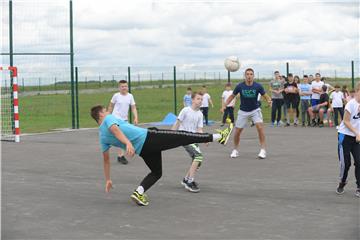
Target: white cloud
193 33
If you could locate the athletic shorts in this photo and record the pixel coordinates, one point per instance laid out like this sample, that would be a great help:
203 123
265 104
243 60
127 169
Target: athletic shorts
242 118
316 108
194 152
315 102
291 103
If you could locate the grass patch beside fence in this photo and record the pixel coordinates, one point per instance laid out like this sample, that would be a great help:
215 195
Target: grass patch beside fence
42 113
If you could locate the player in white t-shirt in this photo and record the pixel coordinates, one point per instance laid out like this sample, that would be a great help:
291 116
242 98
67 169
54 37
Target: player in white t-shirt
205 104
349 142
229 109
190 119
119 106
337 102
316 86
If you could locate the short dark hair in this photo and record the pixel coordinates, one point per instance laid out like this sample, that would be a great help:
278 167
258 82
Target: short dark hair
204 86
310 75
290 75
276 72
228 84
196 93
337 86
122 81
324 88
249 69
317 74
305 76
189 89
95 110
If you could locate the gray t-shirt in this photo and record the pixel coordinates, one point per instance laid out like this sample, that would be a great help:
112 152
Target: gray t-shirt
276 85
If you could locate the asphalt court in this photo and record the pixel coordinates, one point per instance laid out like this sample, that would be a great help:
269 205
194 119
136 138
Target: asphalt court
53 188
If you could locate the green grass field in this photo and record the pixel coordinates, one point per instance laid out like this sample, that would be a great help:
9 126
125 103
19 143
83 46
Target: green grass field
42 113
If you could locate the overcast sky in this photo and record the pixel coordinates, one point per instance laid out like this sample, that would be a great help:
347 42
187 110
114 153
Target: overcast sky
309 34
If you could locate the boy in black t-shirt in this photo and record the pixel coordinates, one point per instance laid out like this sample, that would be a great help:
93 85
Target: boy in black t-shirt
291 92
321 108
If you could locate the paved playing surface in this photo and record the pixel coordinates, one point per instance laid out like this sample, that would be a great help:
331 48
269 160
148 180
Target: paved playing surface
53 188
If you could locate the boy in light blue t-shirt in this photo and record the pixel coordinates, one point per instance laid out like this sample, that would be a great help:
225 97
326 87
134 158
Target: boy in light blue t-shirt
187 97
305 98
147 143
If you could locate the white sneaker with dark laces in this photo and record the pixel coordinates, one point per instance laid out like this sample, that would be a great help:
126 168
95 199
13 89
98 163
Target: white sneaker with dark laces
262 154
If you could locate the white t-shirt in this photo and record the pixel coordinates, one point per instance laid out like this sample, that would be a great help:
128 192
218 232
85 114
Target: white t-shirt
328 86
122 104
190 120
337 99
317 85
205 101
225 95
353 107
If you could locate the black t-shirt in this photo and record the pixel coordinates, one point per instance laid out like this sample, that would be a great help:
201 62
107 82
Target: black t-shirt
292 85
324 97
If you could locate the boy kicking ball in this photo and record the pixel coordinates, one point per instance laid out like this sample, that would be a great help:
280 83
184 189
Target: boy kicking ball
147 143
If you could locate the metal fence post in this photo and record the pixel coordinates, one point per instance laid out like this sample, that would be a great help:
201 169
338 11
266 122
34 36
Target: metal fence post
287 69
129 82
352 75
72 66
77 97
175 102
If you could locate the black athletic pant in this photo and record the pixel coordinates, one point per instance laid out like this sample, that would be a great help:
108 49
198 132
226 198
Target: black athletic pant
347 145
297 103
228 111
276 108
205 112
336 116
158 140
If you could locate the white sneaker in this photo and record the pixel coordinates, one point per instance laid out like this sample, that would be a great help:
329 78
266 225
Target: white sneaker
262 154
234 153
357 192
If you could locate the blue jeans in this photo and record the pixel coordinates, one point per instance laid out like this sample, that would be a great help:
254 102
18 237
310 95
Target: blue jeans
305 104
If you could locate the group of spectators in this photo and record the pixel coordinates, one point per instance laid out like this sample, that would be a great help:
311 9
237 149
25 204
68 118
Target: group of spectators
317 101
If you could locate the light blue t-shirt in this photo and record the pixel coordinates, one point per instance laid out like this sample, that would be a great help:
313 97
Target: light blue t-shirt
187 100
305 88
135 134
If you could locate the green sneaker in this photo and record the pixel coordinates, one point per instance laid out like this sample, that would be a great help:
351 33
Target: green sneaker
225 134
140 199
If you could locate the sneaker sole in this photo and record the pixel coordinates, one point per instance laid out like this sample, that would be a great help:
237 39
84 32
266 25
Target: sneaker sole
260 157
228 137
138 201
340 193
191 190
